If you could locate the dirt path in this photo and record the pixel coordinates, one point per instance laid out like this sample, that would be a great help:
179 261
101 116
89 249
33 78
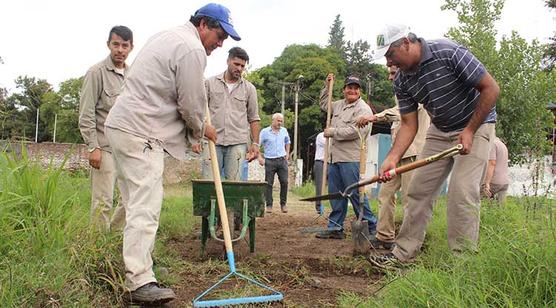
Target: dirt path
308 271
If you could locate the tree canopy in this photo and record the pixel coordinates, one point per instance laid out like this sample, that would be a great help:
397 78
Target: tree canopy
525 88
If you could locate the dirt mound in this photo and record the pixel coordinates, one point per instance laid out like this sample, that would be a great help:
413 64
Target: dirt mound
307 270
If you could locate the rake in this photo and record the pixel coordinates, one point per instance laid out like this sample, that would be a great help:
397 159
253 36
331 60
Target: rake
199 301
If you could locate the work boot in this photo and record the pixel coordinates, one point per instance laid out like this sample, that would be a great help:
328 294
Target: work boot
152 293
331 234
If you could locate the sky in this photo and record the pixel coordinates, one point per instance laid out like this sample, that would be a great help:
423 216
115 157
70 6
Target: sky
60 39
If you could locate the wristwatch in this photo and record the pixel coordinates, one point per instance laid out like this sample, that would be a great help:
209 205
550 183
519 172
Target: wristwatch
92 149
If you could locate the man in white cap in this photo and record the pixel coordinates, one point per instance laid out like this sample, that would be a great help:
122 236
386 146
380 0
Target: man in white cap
460 96
162 105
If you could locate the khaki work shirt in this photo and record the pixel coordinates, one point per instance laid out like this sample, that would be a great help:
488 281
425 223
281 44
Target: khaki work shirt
345 140
101 86
231 112
423 120
164 91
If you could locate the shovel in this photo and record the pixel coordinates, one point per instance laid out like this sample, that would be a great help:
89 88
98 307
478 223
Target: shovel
359 228
393 172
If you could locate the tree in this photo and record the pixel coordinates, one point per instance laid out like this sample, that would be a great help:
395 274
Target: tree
525 88
550 53
336 37
375 88
20 120
314 63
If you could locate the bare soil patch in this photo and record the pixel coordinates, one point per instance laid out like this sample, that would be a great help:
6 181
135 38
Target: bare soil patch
309 272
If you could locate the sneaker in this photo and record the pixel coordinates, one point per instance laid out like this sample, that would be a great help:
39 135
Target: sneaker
385 260
331 234
152 293
378 244
269 209
284 208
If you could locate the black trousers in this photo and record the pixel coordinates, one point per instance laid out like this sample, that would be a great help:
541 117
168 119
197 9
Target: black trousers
274 166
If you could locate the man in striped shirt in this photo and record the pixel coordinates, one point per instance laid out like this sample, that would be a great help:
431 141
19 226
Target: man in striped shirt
460 96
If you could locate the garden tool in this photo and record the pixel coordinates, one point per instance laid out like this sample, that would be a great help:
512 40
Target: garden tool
391 173
359 228
199 301
327 144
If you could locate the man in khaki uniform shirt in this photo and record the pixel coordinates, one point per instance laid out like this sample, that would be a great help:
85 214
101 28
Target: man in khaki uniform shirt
101 86
497 178
161 106
234 112
344 155
385 232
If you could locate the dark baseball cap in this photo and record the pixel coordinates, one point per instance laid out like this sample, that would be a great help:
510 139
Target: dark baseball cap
352 80
222 14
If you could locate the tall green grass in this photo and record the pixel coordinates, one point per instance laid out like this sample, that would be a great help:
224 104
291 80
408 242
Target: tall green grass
49 257
515 266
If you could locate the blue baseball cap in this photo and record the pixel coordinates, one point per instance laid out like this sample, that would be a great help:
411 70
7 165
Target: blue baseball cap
222 14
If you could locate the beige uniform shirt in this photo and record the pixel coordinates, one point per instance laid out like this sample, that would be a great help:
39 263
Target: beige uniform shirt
499 153
164 91
345 140
393 115
231 112
101 86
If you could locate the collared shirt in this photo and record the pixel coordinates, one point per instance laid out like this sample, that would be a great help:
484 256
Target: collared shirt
320 143
232 111
499 153
101 86
274 142
164 91
444 83
346 138
393 115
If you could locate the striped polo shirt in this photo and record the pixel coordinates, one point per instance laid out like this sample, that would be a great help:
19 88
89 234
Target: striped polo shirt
444 83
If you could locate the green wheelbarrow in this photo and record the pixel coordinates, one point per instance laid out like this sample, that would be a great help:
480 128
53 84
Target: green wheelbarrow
244 199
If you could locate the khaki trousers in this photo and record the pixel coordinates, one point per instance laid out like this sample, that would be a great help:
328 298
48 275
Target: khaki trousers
103 181
139 163
463 200
386 228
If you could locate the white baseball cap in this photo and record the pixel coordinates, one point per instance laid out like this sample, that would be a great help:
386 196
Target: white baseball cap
388 35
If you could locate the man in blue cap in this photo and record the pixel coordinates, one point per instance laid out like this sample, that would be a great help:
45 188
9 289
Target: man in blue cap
161 109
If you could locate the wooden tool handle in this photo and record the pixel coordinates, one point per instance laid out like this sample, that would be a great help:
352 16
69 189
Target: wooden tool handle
219 190
327 143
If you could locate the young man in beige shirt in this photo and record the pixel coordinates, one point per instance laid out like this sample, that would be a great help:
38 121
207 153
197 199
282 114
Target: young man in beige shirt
386 228
101 86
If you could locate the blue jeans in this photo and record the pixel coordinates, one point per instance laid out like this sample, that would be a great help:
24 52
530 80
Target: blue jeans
340 176
230 160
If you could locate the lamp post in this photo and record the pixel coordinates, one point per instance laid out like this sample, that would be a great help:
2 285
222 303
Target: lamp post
297 88
37 126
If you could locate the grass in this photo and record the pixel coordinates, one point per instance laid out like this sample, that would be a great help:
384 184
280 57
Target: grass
50 258
515 265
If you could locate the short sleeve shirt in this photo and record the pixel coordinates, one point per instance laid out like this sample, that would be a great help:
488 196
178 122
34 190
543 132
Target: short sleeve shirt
444 83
